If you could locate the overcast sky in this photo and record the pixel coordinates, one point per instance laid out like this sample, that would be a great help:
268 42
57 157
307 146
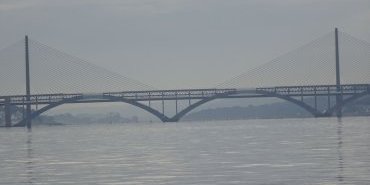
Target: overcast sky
179 43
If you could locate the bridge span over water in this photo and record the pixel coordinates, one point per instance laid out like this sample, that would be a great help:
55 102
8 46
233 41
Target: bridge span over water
310 72
196 98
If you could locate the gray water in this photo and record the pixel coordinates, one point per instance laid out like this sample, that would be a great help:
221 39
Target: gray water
286 151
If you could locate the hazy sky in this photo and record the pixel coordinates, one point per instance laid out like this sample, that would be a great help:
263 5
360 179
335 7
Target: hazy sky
179 43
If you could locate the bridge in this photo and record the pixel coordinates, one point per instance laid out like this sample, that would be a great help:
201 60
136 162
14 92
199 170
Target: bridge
337 94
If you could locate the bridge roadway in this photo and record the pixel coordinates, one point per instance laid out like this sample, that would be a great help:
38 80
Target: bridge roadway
347 92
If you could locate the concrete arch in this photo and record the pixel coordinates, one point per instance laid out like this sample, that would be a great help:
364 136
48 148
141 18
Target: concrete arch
48 107
346 101
299 103
182 113
77 98
156 113
305 106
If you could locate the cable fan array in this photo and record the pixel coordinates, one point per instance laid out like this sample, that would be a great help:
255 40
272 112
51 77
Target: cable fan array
53 71
311 64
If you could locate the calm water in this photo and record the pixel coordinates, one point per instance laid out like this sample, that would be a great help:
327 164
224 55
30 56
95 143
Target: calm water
290 151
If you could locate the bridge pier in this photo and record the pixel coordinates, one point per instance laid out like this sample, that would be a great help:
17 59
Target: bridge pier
8 113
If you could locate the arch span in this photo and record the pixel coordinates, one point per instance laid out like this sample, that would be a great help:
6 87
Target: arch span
182 113
48 107
301 104
37 113
156 113
346 101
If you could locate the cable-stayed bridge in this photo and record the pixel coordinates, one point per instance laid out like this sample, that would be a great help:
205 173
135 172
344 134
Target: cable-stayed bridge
38 78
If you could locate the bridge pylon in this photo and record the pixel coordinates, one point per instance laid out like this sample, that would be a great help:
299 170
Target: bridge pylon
28 87
339 96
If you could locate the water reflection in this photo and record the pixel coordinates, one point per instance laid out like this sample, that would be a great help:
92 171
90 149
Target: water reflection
312 151
29 161
340 176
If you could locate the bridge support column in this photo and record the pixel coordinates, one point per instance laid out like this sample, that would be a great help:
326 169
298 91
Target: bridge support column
176 106
315 96
329 99
149 102
8 113
162 103
189 98
339 97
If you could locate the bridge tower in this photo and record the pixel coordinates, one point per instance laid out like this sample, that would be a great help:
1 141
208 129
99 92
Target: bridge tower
28 90
339 96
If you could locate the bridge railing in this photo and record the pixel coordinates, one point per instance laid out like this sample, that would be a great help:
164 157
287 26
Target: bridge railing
39 98
169 94
317 89
129 95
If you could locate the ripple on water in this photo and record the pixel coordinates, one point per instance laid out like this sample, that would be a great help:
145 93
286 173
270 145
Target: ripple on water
230 152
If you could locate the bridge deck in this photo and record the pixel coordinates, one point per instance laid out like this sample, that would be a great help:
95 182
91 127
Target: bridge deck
186 94
152 95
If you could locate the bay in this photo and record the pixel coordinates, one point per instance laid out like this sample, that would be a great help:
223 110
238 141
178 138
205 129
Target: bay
320 151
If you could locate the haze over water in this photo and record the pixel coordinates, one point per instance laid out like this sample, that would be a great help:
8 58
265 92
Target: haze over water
285 151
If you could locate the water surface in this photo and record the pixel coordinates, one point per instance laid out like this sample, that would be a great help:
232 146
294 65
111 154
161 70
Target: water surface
285 151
